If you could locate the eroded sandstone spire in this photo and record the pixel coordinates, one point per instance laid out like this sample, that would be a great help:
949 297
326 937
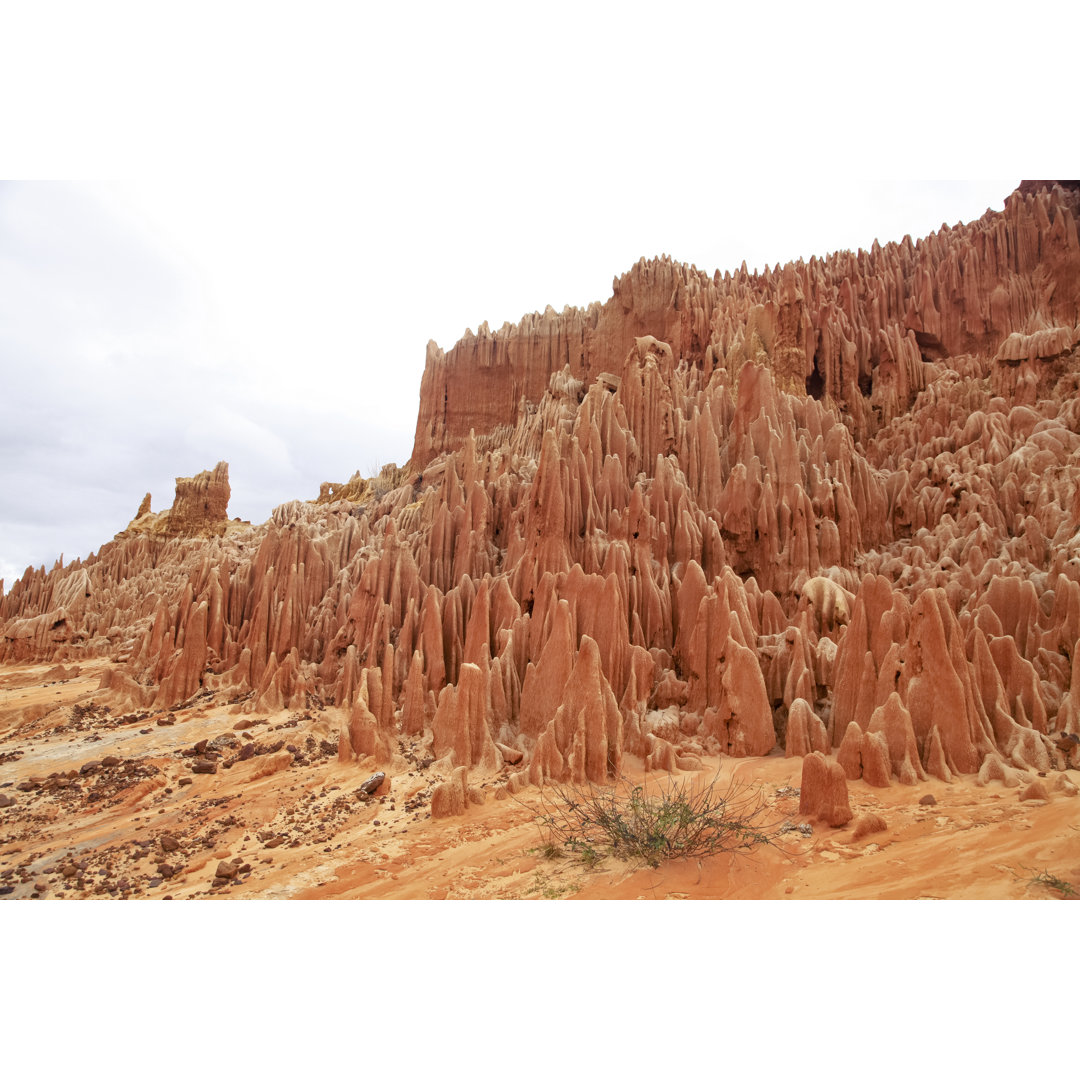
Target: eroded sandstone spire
830 508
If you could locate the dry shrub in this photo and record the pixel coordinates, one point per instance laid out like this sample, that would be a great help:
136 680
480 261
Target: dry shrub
674 821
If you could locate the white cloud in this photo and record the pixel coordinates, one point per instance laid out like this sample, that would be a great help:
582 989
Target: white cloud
319 196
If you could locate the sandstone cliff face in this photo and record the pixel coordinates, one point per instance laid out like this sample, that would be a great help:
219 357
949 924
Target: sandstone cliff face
831 506
860 330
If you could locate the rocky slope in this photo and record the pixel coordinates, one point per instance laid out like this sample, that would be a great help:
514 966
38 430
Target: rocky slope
829 510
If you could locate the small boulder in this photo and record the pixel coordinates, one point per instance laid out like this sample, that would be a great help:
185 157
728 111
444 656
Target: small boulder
269 764
516 782
373 783
1065 786
868 823
1035 792
510 756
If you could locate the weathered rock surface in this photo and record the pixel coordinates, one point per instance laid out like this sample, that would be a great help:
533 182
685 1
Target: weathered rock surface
199 507
831 505
867 824
823 791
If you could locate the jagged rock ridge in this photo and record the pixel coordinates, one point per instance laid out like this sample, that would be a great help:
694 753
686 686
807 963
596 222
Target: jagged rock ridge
859 329
199 508
834 505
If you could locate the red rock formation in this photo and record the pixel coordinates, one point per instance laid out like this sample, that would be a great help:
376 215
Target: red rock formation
461 724
834 502
199 507
893 722
452 797
583 739
805 732
860 329
823 791
201 503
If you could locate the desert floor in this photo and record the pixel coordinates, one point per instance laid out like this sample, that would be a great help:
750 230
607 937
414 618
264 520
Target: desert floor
292 822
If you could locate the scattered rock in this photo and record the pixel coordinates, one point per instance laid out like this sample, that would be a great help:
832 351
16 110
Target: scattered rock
1065 786
803 828
373 783
868 823
272 763
509 755
1035 792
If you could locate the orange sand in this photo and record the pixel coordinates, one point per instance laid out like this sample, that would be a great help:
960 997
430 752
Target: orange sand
976 842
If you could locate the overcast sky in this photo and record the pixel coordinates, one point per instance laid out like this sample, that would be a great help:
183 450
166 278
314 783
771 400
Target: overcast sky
303 203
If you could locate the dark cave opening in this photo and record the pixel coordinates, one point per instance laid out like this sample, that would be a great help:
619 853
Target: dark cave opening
930 347
815 381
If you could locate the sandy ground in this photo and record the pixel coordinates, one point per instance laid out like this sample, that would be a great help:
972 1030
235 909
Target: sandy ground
291 822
